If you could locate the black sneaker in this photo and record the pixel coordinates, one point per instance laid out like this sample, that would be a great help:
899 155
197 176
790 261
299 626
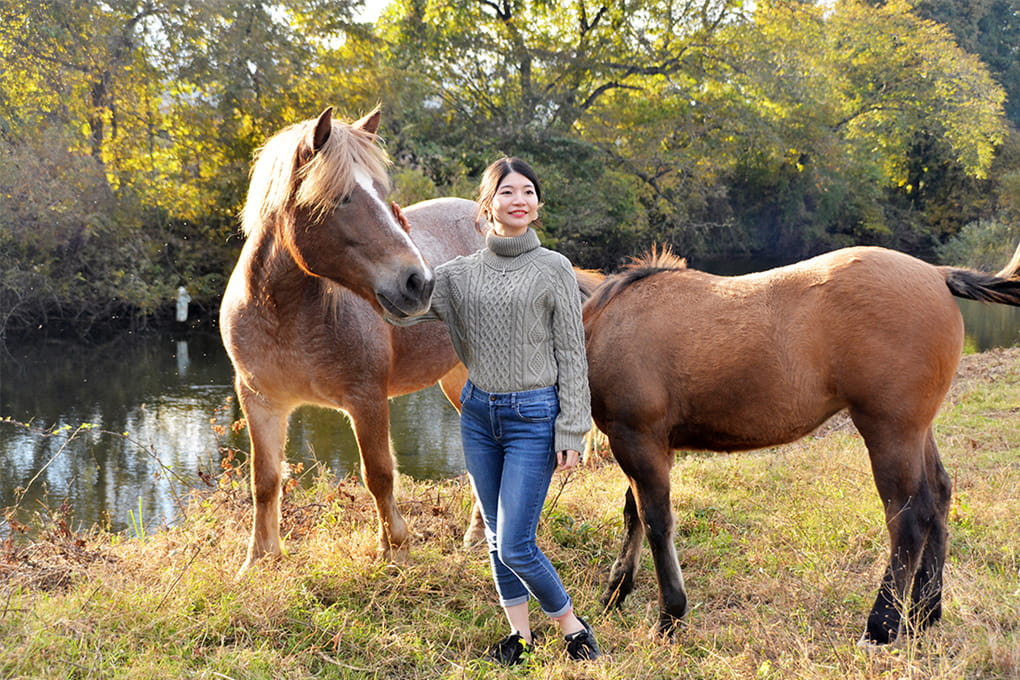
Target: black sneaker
510 650
581 646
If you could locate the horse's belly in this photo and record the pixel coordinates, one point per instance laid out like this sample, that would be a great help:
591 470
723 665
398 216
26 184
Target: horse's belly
422 355
752 422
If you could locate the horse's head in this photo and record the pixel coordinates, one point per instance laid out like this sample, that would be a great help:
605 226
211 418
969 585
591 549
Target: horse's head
321 186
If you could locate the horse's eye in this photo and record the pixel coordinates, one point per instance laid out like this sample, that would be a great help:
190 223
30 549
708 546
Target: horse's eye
345 200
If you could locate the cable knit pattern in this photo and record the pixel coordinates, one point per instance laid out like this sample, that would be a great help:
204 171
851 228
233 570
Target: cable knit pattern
513 310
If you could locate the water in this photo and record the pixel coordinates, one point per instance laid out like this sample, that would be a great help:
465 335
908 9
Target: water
121 432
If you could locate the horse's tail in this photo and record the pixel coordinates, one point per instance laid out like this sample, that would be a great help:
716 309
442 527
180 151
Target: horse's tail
588 280
656 260
1012 270
1003 287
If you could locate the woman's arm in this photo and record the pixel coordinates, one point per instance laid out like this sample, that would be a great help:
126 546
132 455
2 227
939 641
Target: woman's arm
574 420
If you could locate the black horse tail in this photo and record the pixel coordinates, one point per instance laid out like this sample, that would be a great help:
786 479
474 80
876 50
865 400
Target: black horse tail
973 285
1003 287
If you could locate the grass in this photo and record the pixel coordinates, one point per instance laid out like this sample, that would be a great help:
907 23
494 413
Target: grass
782 551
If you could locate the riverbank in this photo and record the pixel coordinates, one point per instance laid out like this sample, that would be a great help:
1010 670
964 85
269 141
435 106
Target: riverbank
783 550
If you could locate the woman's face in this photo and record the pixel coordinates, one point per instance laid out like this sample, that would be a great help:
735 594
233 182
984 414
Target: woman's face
514 206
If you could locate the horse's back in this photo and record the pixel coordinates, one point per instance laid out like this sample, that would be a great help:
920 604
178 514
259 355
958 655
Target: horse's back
760 359
444 228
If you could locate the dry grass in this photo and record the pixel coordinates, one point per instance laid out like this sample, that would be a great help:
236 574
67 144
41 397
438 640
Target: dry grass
782 549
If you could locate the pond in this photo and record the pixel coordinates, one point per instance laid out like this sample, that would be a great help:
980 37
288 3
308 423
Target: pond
121 432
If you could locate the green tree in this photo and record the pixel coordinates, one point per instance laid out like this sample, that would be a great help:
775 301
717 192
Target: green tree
162 102
849 93
989 29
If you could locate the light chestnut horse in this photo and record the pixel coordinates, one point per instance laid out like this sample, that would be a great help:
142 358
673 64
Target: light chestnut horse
300 319
681 359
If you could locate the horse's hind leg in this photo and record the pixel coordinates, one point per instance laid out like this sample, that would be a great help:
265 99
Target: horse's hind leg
452 384
915 491
621 576
926 597
370 418
267 431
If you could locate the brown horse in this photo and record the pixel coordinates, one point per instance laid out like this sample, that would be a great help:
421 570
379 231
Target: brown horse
301 314
682 359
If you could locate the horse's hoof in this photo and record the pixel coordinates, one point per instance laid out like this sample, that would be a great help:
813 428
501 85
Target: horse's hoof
871 647
472 542
399 555
670 629
672 623
254 559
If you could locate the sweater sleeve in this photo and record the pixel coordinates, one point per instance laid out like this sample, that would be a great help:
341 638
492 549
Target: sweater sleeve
574 420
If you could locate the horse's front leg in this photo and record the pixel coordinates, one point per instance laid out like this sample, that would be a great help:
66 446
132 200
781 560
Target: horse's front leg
646 459
267 432
370 417
452 384
657 513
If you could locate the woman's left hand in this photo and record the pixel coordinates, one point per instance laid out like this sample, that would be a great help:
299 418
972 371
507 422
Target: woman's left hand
565 460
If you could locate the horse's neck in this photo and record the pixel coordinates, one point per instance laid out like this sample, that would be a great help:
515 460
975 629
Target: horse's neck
273 276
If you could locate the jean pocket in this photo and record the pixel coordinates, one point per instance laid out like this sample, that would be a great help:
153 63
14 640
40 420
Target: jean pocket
536 411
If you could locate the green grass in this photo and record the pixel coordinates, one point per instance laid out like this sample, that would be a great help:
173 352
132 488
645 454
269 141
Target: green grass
782 551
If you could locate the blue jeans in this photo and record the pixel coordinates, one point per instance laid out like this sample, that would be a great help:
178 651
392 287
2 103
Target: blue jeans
508 450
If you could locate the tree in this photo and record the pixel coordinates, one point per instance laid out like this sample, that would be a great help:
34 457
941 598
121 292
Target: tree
989 29
854 92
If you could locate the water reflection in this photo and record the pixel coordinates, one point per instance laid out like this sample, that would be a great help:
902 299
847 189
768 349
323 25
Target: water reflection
989 325
120 432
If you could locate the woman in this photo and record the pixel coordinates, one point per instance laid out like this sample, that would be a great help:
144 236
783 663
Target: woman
514 315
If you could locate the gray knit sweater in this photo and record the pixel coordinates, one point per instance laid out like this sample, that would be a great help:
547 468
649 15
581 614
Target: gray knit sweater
514 314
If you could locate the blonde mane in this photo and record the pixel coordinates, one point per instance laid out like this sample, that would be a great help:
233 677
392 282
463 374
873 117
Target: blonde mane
324 180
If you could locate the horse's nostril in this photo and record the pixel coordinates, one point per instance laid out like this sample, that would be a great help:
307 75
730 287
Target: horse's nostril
419 285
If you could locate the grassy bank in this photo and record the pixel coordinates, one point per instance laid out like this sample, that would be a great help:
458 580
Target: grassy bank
783 550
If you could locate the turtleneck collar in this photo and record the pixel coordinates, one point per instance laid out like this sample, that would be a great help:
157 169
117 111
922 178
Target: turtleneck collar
512 246
508 253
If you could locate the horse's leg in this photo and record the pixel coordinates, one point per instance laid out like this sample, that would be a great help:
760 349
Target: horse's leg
621 576
912 514
926 598
371 420
452 384
267 431
646 461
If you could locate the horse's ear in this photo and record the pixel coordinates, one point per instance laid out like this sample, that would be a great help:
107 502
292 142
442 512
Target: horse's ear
323 129
369 123
399 215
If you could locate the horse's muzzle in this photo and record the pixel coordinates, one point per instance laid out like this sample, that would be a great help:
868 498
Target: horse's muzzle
410 293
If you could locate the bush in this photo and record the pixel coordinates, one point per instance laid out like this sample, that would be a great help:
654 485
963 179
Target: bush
985 245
